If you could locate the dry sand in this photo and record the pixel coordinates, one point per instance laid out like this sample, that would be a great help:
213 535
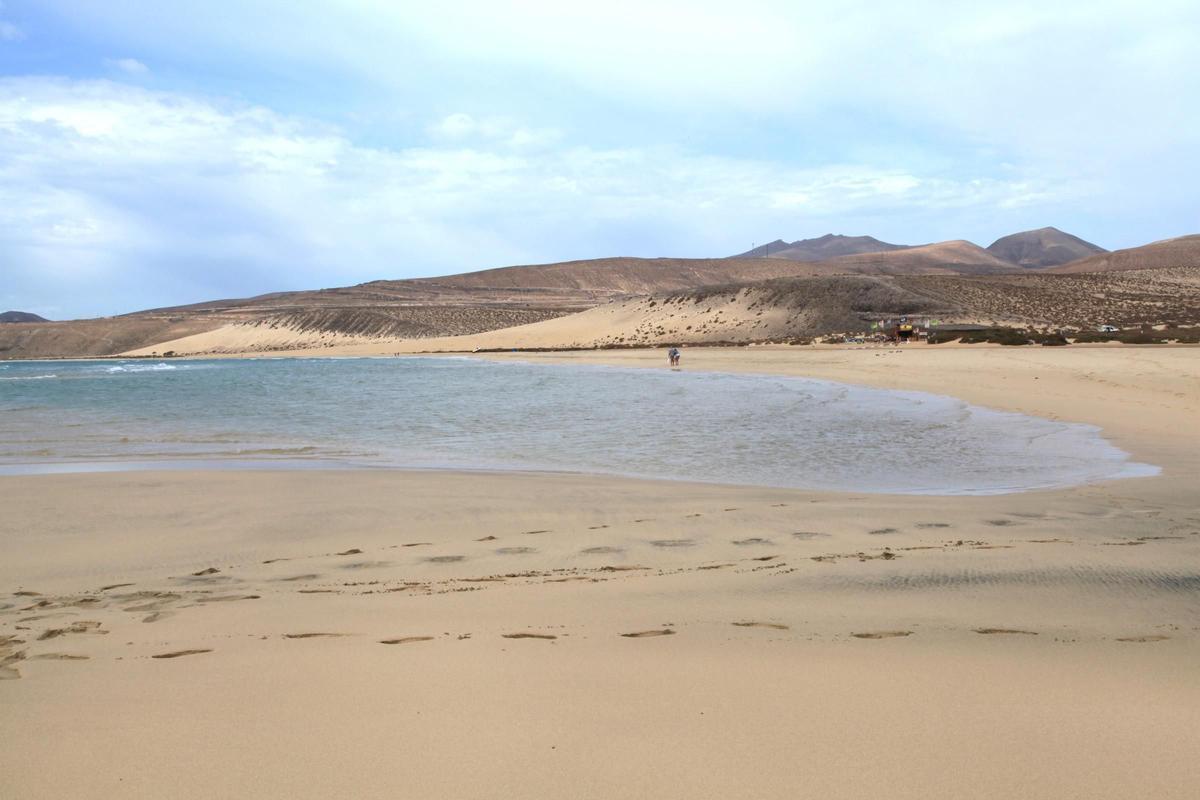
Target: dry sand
407 634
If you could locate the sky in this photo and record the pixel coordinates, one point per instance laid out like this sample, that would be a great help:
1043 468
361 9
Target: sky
157 153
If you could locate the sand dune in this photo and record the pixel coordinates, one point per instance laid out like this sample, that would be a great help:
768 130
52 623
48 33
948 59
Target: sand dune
780 310
954 277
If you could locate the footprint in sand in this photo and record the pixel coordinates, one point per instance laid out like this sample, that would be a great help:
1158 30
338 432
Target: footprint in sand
150 601
307 577
179 653
990 631
1001 523
805 535
673 542
772 625
407 640
312 635
933 524
596 527
115 586
225 598
10 656
648 634
751 541
366 565
529 636
58 657
531 533
487 539
881 634
883 531
204 577
353 551
1152 637
445 559
516 551
83 626
602 550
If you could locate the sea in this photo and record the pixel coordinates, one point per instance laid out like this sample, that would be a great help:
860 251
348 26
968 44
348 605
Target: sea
472 414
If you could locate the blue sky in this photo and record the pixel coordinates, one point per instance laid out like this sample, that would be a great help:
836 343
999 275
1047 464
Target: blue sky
159 153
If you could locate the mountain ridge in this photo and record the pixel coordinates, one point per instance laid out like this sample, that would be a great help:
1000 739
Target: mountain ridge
820 248
1181 251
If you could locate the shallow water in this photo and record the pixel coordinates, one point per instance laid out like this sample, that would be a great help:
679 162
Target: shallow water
467 413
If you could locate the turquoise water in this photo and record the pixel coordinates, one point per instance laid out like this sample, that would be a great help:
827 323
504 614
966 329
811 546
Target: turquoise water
471 414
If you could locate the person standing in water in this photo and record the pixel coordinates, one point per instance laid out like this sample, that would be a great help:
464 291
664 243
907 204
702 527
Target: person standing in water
673 356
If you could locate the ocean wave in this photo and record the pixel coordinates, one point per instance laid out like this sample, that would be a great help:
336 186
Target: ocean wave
29 378
142 368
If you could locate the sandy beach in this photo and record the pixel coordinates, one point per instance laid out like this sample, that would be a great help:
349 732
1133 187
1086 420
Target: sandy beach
385 633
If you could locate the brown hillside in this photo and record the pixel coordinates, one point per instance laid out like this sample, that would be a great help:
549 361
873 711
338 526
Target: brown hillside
1044 247
1183 251
823 247
956 257
1125 298
788 308
608 277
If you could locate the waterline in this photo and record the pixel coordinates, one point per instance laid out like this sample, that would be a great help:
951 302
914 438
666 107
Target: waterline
461 413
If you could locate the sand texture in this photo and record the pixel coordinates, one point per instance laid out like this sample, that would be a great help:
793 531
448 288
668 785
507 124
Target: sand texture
378 634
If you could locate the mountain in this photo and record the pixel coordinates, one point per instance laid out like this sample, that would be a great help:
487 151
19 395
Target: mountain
606 277
784 309
957 257
821 248
20 316
1183 251
475 303
1045 247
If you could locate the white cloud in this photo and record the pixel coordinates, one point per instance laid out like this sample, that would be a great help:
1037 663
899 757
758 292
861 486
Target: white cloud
120 186
495 130
130 66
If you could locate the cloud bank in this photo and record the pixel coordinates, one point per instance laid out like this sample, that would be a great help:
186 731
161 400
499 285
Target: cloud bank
292 145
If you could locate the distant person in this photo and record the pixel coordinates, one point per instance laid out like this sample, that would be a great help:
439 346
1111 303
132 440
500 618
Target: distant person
673 356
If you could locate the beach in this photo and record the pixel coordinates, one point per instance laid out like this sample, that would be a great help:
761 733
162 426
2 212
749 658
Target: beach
383 633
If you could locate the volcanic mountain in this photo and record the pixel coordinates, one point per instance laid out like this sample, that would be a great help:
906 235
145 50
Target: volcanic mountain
830 245
798 298
1045 247
956 257
20 316
1183 251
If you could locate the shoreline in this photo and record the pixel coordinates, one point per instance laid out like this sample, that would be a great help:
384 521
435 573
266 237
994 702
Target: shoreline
383 633
773 366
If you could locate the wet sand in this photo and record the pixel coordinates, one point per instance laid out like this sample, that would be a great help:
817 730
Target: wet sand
382 634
